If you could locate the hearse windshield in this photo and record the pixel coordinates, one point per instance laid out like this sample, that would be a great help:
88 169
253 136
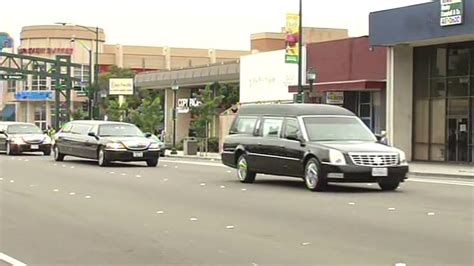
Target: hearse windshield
337 129
119 130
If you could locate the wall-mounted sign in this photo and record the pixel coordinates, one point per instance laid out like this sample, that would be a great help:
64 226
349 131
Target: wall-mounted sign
121 87
34 96
452 12
185 104
335 97
45 50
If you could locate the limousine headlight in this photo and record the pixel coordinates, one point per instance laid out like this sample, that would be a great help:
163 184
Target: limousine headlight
336 157
17 140
115 146
154 146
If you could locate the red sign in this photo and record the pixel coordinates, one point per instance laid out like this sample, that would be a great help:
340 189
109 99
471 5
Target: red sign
45 50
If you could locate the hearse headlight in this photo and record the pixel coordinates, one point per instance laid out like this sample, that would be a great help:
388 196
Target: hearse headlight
403 158
115 146
336 157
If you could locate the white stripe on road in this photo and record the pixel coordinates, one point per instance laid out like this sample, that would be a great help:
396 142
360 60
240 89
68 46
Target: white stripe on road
194 163
420 180
442 182
10 260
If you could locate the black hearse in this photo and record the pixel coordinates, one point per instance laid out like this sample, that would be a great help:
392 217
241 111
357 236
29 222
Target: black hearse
105 142
319 143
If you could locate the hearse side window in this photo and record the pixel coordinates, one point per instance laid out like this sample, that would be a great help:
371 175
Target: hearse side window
272 127
245 125
292 128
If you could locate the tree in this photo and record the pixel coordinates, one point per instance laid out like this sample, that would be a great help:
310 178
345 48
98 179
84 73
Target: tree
79 114
149 115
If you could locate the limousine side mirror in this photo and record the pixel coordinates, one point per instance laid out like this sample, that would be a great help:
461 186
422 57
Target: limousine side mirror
92 134
2 132
148 135
296 137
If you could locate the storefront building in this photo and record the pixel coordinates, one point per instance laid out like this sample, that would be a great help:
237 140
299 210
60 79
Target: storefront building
349 73
430 78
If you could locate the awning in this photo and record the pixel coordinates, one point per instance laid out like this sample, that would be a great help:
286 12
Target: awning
349 85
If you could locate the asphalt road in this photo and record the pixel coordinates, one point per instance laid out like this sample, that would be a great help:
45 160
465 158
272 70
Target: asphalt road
197 213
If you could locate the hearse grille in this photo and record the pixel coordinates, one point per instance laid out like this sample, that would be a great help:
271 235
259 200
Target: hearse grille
374 159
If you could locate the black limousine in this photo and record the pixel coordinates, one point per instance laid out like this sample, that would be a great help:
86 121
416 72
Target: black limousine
105 142
18 137
319 143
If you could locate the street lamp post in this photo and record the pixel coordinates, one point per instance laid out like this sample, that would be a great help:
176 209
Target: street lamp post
175 89
300 52
311 76
90 97
96 65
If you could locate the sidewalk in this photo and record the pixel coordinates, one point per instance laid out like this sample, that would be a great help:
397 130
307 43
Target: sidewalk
430 169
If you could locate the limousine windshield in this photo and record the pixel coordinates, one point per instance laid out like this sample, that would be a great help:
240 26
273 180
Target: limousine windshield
24 129
119 130
337 129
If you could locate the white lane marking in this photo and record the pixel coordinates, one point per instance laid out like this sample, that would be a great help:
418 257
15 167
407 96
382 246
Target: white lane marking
195 163
229 171
165 179
223 187
400 264
442 182
230 227
55 164
176 167
138 176
10 260
430 214
352 203
160 212
87 197
72 193
306 243
56 190
111 173
244 189
1 179
124 174
33 185
12 181
193 219
64 165
202 184
72 167
26 160
391 209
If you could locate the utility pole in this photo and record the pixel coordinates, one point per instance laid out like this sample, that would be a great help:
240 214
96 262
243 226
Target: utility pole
300 56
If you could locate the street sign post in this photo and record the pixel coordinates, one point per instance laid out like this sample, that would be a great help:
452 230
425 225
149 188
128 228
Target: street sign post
12 77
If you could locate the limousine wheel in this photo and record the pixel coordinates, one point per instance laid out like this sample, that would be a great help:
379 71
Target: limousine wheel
389 185
102 160
243 172
59 157
313 178
47 152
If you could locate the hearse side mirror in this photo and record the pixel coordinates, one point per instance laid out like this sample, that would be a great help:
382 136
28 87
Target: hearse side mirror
148 135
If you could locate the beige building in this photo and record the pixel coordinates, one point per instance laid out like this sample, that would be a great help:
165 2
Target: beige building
272 41
79 42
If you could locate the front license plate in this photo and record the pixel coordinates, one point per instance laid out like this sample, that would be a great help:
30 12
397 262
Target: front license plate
137 154
379 172
34 147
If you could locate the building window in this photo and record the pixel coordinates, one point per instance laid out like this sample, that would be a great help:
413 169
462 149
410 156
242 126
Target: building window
365 109
40 116
443 102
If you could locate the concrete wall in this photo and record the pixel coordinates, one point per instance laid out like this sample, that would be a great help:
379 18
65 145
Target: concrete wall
400 97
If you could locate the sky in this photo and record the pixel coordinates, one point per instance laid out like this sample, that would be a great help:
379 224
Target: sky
224 24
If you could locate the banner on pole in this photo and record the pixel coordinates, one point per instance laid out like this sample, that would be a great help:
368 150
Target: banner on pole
292 39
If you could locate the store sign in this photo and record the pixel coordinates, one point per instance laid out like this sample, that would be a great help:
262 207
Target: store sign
452 12
121 87
45 50
335 97
185 104
34 96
